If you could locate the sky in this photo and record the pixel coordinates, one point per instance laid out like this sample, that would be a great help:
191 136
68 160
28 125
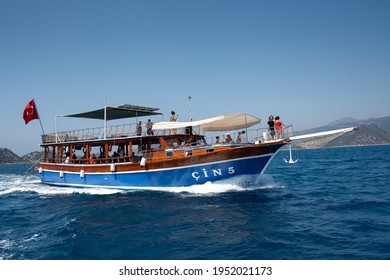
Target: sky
309 61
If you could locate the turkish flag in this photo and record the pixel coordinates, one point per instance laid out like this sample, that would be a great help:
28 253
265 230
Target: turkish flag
30 112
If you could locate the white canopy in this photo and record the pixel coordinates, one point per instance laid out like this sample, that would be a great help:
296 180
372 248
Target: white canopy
220 123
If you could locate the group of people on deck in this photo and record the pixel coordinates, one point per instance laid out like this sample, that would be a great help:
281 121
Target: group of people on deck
241 138
149 128
275 127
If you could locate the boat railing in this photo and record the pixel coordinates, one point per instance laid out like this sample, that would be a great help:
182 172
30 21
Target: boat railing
256 135
90 134
117 131
129 130
82 160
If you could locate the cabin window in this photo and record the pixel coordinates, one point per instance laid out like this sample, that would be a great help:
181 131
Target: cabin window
169 153
210 149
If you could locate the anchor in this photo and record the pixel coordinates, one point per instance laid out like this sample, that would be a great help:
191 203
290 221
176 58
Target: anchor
290 161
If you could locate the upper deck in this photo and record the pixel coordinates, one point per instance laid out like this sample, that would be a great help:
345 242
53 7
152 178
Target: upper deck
129 131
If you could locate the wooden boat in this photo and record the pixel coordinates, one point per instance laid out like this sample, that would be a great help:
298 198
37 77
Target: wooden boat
175 154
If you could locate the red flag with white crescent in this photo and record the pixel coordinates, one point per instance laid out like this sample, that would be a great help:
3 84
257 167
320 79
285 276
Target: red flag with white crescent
30 112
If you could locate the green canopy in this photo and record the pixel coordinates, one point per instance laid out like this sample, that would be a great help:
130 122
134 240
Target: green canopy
117 112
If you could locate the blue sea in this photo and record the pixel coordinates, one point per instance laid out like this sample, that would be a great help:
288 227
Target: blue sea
333 204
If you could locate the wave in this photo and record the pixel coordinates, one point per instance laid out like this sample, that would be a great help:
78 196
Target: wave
237 184
18 183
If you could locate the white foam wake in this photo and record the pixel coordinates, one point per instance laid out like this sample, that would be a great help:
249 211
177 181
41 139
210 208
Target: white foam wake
17 183
235 184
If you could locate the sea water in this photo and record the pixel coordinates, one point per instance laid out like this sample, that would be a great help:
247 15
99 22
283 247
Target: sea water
332 204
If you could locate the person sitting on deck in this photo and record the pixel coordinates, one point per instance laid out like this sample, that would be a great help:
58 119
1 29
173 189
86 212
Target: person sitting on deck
134 158
243 137
238 140
121 153
228 139
92 159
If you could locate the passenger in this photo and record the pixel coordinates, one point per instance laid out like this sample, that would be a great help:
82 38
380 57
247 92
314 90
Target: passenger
238 140
173 119
139 129
228 139
121 153
101 157
149 126
134 158
217 140
243 137
92 159
173 116
278 128
271 127
194 142
115 157
74 159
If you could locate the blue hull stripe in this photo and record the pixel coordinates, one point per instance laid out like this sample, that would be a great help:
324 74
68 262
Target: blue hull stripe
170 177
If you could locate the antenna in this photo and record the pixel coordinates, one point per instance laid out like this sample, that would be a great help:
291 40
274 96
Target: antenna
189 100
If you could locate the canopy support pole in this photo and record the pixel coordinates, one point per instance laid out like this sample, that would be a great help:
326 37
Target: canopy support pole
105 123
55 128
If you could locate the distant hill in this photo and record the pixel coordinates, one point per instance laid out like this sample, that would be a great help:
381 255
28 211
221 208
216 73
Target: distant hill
365 135
7 156
381 123
373 131
33 156
344 121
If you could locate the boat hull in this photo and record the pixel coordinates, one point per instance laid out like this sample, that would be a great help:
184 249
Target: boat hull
161 178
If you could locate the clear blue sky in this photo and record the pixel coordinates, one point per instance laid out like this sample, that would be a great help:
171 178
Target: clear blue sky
311 62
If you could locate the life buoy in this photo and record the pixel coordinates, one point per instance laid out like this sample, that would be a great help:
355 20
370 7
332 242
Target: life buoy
46 150
101 149
109 147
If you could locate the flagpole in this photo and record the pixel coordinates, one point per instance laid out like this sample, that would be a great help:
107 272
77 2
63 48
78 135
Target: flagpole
39 118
